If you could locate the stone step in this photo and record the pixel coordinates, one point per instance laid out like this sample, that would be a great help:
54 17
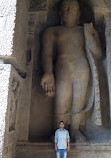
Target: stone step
46 150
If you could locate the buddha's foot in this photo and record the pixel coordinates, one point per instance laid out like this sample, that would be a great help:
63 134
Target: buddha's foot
78 137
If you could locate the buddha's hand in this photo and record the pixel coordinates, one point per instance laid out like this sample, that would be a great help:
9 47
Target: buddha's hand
90 32
48 84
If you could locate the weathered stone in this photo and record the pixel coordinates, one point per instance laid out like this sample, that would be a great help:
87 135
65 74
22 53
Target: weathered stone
70 81
26 112
38 97
10 83
7 25
4 86
27 150
38 5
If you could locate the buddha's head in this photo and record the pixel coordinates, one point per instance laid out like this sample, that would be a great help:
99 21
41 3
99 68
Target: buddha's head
70 12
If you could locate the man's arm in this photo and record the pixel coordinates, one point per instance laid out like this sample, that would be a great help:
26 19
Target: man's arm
56 139
68 141
56 147
68 146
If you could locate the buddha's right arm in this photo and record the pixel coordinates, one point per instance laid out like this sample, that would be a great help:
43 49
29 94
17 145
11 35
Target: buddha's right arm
47 51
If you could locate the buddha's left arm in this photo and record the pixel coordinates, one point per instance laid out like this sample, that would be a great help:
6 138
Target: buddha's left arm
94 45
92 40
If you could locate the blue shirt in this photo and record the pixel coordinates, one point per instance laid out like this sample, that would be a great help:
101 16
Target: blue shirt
62 138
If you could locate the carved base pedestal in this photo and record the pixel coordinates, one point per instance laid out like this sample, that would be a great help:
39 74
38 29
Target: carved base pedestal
46 150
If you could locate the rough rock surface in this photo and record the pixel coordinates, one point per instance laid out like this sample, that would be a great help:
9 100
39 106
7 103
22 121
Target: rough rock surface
4 84
7 24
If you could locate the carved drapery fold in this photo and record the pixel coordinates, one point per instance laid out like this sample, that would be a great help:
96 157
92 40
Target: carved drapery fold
108 53
96 116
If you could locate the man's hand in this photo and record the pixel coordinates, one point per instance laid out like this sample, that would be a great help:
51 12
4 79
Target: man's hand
56 147
48 84
68 148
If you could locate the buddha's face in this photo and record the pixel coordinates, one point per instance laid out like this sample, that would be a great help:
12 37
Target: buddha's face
70 13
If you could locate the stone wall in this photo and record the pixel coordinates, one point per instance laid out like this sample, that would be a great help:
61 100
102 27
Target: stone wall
7 21
7 25
21 34
4 84
26 112
13 103
15 75
20 49
10 100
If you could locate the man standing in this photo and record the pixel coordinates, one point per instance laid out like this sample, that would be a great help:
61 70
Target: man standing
62 140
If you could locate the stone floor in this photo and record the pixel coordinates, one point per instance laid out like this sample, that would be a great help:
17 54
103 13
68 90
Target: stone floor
99 135
46 150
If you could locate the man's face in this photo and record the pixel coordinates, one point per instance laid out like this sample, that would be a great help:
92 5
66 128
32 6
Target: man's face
70 12
61 125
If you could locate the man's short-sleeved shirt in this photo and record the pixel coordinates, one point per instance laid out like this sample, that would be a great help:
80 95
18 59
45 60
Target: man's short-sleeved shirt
62 138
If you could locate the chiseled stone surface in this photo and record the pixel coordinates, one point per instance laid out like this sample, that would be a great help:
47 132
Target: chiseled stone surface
4 85
41 150
68 83
11 129
7 24
10 96
11 87
38 5
16 93
20 33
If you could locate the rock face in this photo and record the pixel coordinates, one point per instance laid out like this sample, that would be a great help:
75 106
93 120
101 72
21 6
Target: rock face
38 5
4 85
30 29
39 99
7 25
13 81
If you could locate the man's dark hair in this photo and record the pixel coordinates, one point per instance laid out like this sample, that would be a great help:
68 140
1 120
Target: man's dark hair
61 122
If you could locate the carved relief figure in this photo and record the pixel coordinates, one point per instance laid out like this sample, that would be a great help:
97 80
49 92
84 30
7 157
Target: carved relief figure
15 89
68 79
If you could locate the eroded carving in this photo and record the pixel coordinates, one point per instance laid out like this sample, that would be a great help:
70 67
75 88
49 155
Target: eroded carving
15 92
37 5
107 3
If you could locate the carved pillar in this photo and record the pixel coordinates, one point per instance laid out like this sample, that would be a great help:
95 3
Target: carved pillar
104 13
30 41
24 110
108 53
